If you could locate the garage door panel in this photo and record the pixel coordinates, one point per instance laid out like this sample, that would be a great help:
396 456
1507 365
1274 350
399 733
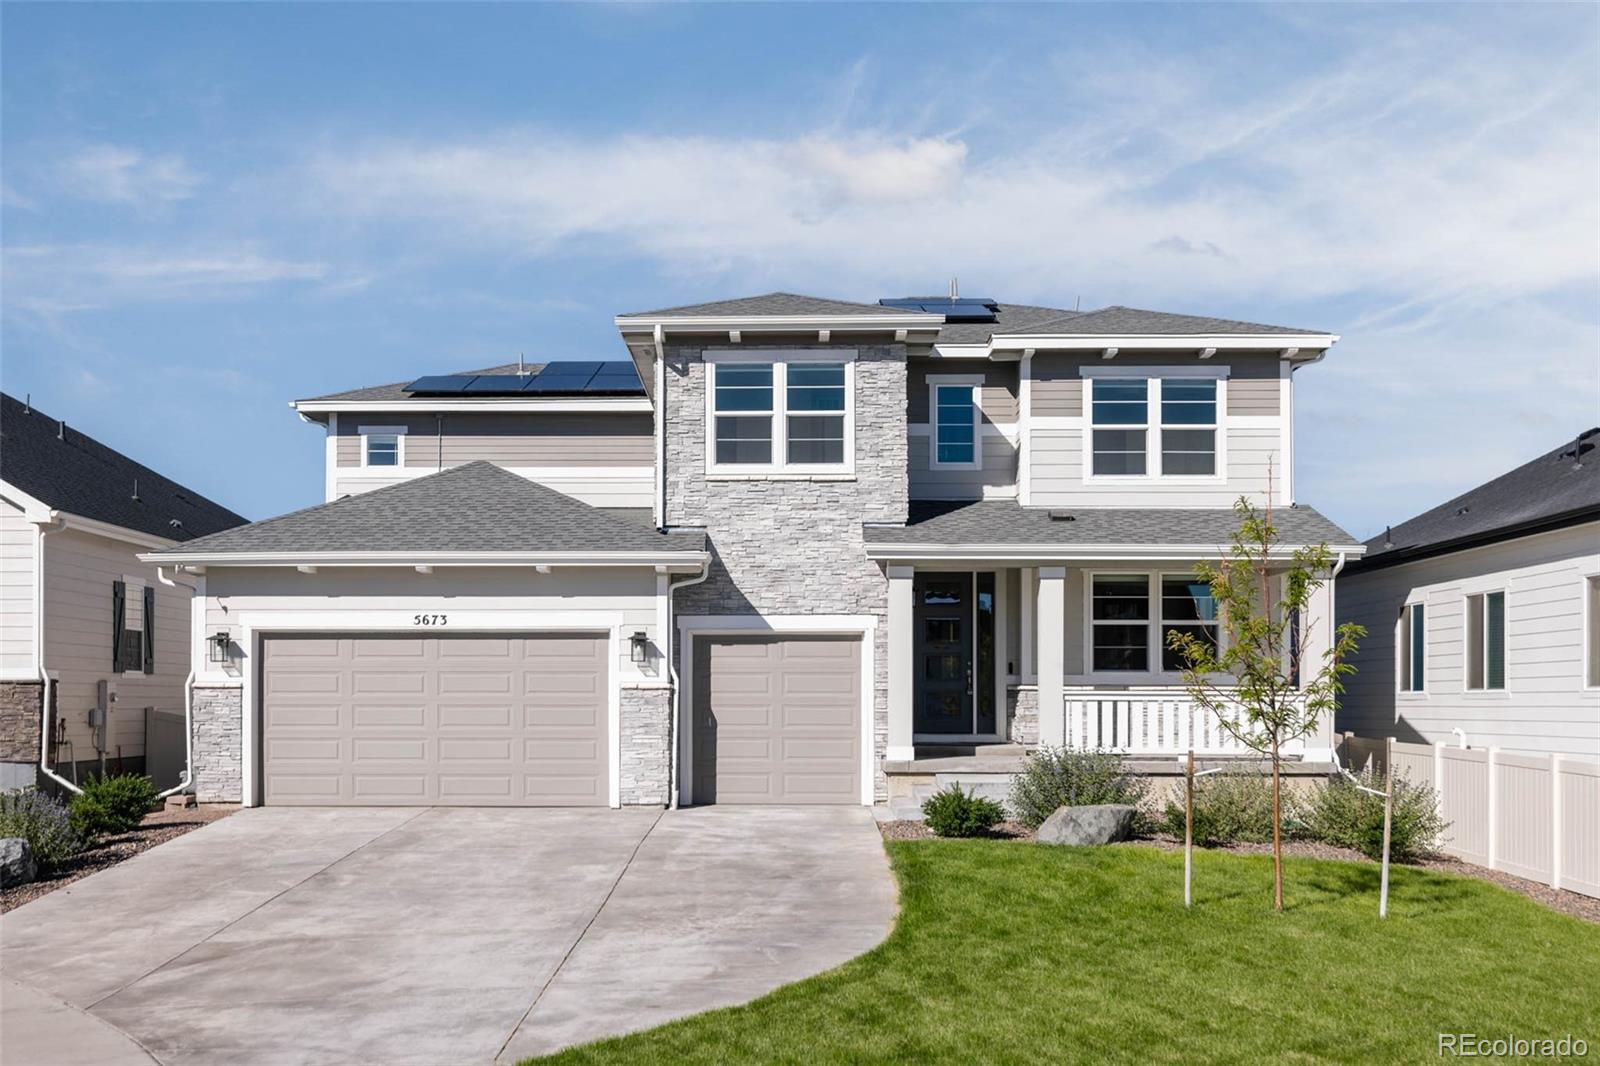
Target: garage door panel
420 720
777 719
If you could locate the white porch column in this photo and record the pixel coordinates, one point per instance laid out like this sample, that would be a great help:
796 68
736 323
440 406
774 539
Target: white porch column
1050 625
1316 639
901 636
1025 668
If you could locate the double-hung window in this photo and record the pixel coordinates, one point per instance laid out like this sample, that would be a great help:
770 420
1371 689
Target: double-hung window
1119 617
780 414
1187 606
1157 426
1486 641
380 445
1120 411
1412 647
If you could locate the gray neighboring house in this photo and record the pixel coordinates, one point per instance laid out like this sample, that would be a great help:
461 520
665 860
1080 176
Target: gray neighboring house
1483 614
793 550
79 610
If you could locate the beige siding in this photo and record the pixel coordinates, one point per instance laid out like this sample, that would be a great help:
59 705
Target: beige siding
1544 707
512 440
599 487
1253 460
518 594
78 571
1253 396
16 592
1057 376
997 396
998 476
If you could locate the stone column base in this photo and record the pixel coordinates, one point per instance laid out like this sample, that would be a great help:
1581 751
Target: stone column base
646 746
218 750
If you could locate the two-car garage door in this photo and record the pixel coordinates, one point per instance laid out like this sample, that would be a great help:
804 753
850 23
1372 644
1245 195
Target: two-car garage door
503 720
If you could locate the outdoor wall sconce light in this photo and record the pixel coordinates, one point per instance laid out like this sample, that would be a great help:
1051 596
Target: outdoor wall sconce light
217 646
639 646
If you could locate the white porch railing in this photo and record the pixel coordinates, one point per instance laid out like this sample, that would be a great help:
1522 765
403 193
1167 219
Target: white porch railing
1150 722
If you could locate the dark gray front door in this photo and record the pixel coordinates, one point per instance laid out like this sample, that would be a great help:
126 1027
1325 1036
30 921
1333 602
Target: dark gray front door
943 686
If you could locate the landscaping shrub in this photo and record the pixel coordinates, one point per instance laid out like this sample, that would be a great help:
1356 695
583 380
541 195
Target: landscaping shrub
43 822
111 805
1230 808
951 812
1071 777
1340 813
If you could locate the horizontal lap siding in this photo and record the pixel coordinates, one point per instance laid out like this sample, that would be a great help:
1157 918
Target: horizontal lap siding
999 470
509 439
1544 707
17 536
79 571
596 487
997 396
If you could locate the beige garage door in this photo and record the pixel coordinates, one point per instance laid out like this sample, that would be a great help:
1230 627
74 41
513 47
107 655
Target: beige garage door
509 721
777 720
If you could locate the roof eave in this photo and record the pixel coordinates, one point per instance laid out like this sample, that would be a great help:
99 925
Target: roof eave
1550 523
892 551
672 560
1310 343
568 404
775 323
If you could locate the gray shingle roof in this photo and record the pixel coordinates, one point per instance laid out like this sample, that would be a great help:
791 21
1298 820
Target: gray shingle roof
1115 319
70 471
772 303
1561 485
396 390
1011 318
470 508
1007 522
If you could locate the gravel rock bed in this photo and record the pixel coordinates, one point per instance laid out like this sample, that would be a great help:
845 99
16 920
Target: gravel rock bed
157 828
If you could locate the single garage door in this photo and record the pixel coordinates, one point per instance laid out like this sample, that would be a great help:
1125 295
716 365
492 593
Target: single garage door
510 721
777 720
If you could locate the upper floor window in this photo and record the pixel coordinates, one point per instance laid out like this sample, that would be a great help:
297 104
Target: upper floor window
1486 641
786 412
380 445
1413 648
1591 635
954 403
1153 427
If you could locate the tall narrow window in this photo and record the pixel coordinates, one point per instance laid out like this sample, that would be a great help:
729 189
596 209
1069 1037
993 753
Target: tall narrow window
1486 641
1592 631
815 404
1186 607
954 425
1188 426
1121 417
1120 618
743 405
1413 648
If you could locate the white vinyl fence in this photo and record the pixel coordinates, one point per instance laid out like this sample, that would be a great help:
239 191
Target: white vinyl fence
1535 816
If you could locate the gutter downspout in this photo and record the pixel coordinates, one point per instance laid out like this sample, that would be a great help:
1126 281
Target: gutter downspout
188 693
674 720
659 335
47 686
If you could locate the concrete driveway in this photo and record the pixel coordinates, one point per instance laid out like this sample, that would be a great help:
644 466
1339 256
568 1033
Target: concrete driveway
437 935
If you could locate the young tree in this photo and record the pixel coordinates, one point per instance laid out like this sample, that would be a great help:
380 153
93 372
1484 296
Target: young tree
1263 599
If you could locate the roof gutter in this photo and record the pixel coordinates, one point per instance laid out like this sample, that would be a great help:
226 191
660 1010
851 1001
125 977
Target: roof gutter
593 405
775 323
891 551
1547 524
659 372
1238 341
190 559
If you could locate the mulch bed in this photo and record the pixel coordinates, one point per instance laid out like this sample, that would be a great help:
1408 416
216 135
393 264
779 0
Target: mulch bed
1584 908
157 828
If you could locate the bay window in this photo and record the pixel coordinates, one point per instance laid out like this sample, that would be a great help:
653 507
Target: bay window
780 412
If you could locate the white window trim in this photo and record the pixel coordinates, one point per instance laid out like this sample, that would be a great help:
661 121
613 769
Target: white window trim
1403 650
1483 691
1152 423
1591 619
1154 627
934 383
780 467
134 591
399 435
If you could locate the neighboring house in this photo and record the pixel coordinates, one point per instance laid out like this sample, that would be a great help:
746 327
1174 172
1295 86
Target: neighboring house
77 606
809 550
1483 615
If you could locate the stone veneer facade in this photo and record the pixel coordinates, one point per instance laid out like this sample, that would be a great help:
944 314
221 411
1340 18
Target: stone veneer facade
794 546
20 721
646 743
1022 708
218 750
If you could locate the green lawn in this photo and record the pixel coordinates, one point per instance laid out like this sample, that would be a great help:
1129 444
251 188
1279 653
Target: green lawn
1010 952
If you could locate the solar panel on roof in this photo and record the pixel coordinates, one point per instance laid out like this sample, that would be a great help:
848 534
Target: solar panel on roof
440 383
496 384
961 309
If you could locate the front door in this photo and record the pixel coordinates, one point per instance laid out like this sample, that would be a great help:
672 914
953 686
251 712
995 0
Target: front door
954 686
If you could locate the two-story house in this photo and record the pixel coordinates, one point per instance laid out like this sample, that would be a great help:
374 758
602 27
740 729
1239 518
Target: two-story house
799 551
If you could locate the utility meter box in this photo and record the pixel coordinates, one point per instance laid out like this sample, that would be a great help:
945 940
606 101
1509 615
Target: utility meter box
105 697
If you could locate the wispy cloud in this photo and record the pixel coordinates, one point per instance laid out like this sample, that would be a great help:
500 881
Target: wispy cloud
115 174
54 279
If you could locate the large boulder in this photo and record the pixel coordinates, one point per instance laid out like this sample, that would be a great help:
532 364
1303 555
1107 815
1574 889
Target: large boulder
16 862
1102 823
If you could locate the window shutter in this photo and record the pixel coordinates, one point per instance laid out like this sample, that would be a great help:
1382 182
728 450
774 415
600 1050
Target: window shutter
119 619
149 630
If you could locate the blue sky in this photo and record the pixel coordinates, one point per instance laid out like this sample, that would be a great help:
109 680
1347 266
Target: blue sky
210 210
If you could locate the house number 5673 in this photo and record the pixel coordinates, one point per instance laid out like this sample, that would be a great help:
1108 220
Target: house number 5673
430 619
